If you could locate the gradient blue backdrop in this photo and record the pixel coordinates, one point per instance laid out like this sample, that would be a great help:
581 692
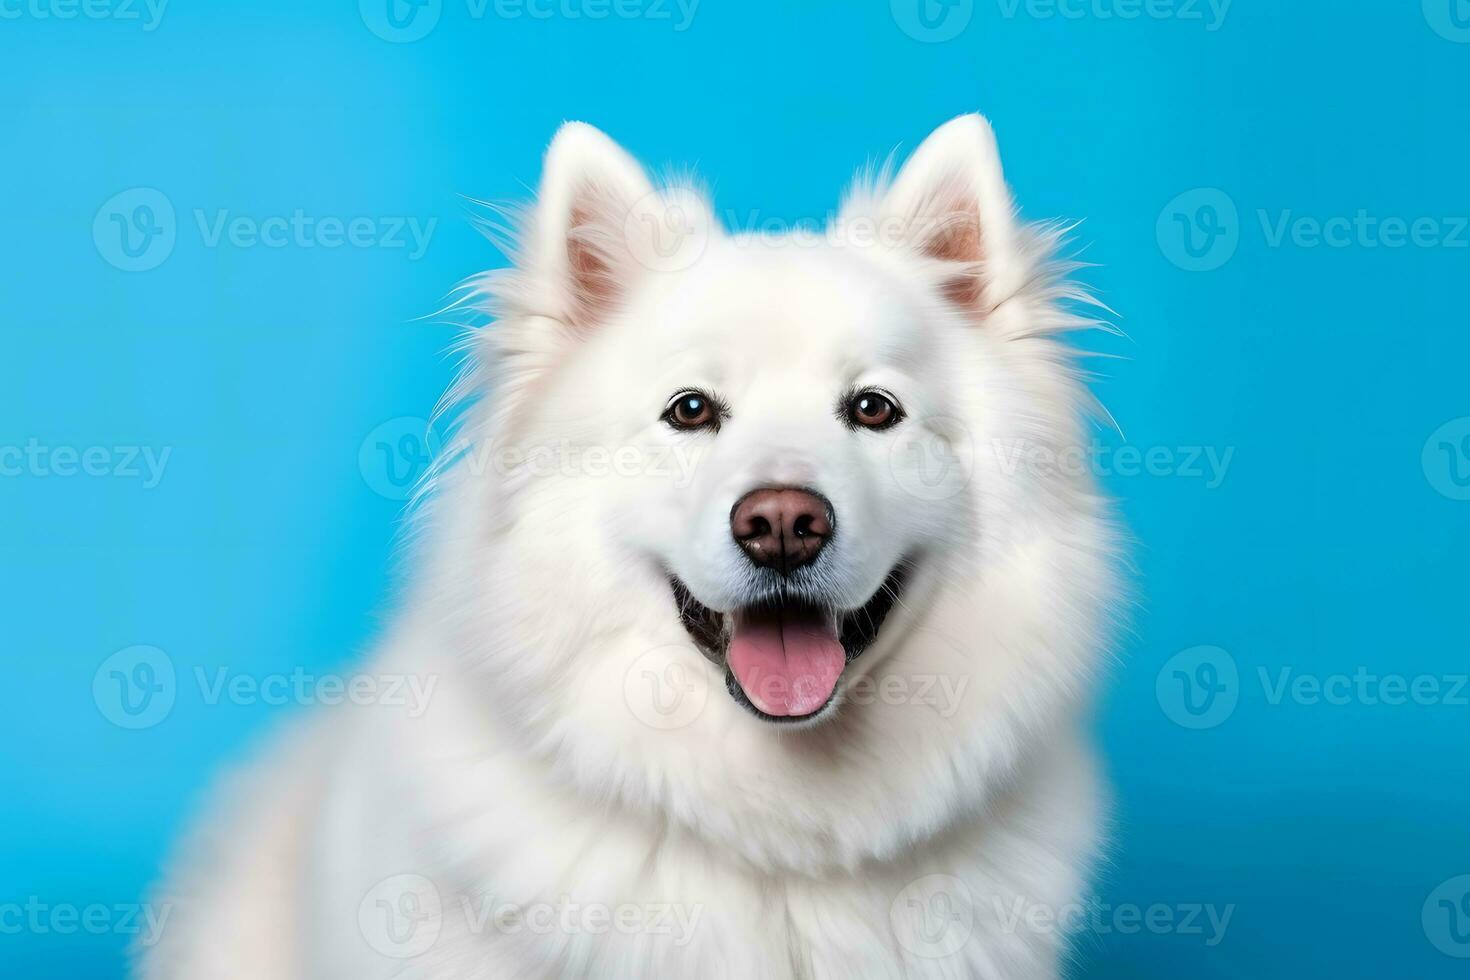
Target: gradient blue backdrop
1335 541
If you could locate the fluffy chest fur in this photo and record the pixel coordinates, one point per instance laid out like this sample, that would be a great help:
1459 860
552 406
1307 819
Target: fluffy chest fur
526 877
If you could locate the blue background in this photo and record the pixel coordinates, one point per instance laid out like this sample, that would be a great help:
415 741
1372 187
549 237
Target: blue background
1334 541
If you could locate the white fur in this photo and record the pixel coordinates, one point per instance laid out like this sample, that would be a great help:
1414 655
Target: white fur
543 772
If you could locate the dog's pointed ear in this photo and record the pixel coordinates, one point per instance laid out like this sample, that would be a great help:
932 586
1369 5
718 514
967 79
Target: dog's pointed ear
950 203
588 186
594 225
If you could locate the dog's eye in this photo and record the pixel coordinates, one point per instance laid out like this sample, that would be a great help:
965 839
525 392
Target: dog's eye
692 410
872 410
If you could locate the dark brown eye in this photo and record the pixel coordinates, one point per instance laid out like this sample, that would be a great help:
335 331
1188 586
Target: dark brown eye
872 410
692 410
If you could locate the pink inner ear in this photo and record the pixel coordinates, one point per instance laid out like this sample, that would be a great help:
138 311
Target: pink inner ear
593 284
955 237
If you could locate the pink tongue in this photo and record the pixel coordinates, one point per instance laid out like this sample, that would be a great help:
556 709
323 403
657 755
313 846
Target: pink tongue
787 661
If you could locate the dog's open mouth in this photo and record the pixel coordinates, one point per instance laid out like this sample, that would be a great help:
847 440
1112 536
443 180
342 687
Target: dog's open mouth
783 658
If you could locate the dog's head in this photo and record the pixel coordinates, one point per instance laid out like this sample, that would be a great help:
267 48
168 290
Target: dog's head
769 462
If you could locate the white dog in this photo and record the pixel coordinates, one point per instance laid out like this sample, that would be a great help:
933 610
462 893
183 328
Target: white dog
759 643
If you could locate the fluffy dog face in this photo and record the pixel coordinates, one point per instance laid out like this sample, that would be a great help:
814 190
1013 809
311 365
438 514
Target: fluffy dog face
798 391
767 465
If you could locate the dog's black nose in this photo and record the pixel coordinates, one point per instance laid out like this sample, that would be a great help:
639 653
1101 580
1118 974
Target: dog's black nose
781 527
